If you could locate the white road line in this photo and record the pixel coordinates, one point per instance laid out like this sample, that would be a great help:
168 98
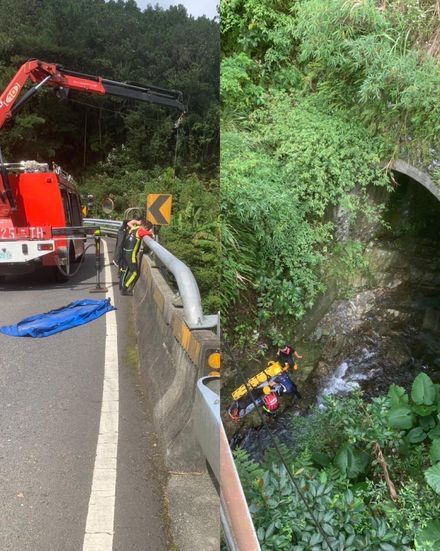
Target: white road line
99 527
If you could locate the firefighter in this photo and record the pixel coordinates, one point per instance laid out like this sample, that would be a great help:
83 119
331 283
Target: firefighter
129 268
120 238
287 355
270 400
287 386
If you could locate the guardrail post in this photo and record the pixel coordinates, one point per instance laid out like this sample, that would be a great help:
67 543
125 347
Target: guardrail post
98 288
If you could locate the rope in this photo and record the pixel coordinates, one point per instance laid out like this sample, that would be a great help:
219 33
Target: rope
125 114
85 140
177 126
278 450
175 152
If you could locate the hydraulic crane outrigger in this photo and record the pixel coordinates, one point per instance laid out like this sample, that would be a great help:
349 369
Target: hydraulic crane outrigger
63 80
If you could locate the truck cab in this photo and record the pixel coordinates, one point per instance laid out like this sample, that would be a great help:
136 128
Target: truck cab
36 232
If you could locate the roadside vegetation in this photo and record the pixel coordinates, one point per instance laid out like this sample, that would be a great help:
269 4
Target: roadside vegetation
314 98
117 148
317 99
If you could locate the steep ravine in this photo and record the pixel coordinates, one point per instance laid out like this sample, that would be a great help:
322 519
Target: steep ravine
389 328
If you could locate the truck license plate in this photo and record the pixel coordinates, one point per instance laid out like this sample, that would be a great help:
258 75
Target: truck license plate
26 232
7 233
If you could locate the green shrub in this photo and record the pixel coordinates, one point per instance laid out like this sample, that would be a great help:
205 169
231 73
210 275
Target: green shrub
335 467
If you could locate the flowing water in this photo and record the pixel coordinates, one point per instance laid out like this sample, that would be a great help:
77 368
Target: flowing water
347 377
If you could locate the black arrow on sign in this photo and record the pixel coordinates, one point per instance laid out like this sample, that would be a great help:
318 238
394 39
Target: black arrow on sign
155 209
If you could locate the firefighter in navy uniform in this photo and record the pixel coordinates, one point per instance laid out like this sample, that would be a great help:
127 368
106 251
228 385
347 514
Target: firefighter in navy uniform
287 386
128 263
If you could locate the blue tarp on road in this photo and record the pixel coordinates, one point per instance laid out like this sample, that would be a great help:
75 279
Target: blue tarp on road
72 315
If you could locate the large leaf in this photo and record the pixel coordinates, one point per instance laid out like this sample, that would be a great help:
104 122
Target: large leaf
401 417
429 535
397 395
432 476
423 390
427 423
435 432
423 410
320 458
350 461
434 452
416 435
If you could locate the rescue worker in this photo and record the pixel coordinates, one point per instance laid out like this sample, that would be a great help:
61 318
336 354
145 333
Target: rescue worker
287 355
234 412
120 238
287 386
129 269
270 400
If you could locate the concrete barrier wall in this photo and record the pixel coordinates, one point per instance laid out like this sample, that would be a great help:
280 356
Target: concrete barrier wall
172 359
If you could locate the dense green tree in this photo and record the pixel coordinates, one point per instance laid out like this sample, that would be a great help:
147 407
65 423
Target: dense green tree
118 41
317 97
322 94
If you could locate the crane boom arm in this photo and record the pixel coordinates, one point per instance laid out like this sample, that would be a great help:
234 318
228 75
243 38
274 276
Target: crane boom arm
42 74
55 76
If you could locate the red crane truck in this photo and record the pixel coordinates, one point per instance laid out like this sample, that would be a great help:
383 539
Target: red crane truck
40 211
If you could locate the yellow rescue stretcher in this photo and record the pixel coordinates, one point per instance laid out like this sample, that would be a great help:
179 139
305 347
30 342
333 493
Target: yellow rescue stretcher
272 370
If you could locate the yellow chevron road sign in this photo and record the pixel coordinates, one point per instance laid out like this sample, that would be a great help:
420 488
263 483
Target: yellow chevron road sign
159 208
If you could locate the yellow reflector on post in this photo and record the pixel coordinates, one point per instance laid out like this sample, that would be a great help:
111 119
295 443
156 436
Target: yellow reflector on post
214 360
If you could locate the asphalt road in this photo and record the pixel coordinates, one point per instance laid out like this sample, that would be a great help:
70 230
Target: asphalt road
50 407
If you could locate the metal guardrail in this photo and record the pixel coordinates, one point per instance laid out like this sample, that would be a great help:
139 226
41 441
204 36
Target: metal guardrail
186 283
206 420
238 528
235 517
188 288
236 520
108 227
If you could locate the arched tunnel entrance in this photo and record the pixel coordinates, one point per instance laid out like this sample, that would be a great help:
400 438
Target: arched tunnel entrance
413 211
389 330
413 215
386 329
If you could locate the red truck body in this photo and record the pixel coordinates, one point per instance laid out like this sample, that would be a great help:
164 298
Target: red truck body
45 199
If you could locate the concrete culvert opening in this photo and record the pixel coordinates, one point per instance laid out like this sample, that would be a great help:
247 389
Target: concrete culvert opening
400 323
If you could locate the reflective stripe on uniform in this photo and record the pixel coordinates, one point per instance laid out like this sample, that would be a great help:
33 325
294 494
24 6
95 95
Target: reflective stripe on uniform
135 251
130 279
